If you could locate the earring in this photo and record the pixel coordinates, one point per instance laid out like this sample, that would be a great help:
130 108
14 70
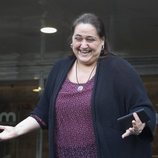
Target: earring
102 48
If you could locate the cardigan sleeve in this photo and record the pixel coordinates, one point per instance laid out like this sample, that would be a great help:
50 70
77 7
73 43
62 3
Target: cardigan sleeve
41 111
47 100
135 95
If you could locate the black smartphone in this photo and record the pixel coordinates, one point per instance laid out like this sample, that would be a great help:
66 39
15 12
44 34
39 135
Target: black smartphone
125 122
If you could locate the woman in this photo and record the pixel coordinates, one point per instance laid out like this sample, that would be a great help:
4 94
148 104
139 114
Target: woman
84 95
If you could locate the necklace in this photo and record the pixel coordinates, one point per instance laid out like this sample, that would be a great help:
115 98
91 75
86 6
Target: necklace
80 86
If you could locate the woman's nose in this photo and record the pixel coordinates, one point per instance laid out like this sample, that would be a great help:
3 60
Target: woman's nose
84 44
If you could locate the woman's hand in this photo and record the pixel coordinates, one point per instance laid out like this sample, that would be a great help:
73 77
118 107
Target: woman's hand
137 128
8 132
25 126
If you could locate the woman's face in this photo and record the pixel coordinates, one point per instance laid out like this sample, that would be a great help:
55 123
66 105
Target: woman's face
86 44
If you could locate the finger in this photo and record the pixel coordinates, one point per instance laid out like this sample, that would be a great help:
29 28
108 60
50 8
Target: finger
137 122
136 117
135 125
126 134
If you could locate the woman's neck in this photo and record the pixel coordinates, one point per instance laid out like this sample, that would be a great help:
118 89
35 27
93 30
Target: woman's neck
84 72
85 67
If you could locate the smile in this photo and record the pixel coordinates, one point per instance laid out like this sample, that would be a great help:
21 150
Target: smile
85 52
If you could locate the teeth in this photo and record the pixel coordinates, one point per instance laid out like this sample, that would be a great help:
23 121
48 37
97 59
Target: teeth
85 52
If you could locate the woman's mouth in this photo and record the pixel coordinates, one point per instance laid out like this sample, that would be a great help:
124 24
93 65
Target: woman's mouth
85 52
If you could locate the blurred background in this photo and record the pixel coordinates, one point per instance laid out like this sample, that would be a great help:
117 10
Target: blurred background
27 54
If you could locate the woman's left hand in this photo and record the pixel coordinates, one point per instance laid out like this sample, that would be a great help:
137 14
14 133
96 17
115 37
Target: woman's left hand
137 128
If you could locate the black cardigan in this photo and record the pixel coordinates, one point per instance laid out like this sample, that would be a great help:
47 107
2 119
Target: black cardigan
118 90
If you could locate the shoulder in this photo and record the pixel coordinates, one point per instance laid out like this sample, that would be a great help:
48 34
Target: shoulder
120 69
61 66
115 59
64 60
116 63
59 69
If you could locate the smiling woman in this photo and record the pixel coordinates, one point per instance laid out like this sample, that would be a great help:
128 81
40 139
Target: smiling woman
84 95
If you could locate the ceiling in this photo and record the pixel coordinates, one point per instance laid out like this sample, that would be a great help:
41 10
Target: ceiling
132 26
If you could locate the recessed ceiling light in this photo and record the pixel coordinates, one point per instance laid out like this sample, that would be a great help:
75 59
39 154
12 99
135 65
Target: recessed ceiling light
48 30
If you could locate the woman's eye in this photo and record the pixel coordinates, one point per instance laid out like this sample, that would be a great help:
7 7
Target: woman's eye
78 38
90 39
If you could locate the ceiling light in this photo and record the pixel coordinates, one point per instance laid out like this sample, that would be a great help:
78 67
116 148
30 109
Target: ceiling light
48 30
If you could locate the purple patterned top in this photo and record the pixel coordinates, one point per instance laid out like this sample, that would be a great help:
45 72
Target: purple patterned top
74 127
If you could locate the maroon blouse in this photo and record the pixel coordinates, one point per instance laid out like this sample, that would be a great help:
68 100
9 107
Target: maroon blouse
74 128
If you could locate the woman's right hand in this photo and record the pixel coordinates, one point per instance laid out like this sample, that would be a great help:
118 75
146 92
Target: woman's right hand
25 126
8 132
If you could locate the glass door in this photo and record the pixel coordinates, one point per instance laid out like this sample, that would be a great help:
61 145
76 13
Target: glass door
17 100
